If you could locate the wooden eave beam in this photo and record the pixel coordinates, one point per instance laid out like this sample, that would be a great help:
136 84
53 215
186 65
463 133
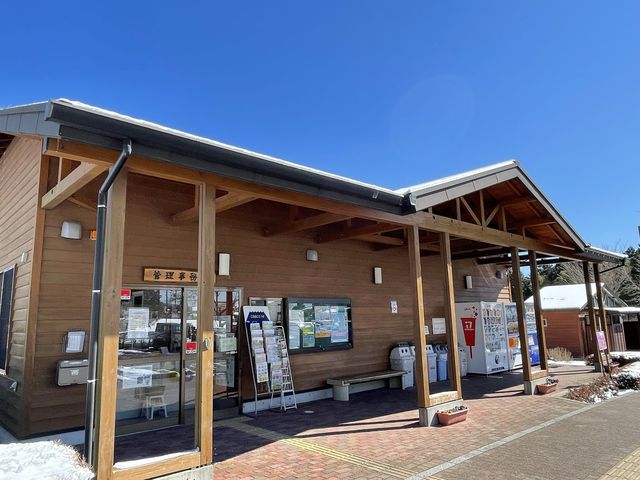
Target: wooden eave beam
354 232
232 200
169 171
84 202
429 247
225 202
492 236
70 184
155 168
382 240
302 224
470 210
516 200
534 222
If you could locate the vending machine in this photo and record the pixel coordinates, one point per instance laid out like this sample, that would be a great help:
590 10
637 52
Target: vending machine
532 333
513 340
482 330
513 337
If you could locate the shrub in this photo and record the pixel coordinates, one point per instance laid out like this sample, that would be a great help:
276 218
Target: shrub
627 380
560 354
595 391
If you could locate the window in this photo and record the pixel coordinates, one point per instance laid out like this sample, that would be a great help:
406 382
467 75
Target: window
7 280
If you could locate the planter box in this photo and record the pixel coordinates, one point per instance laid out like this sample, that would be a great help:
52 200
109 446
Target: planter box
545 388
451 418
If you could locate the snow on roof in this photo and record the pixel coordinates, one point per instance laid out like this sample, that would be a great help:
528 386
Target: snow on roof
607 252
563 297
208 141
458 176
623 309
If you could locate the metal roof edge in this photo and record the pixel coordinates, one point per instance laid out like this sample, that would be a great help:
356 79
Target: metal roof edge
425 188
88 124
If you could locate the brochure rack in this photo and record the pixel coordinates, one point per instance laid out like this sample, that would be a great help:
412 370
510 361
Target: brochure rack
269 358
285 386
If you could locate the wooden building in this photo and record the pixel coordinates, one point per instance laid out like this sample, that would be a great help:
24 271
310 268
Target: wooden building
566 317
174 203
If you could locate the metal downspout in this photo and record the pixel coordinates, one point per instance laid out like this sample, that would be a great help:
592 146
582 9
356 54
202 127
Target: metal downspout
98 264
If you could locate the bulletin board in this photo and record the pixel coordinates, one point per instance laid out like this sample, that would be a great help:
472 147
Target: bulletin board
318 324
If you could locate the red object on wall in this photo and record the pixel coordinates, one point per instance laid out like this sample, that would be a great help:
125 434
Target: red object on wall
125 294
469 329
190 347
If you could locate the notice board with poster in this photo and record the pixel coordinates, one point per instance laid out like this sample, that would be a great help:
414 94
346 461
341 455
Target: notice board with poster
318 324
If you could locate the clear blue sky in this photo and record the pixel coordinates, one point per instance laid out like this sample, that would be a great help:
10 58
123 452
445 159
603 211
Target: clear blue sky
389 92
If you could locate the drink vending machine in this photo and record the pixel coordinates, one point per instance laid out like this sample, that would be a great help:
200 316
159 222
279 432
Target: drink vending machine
513 340
482 330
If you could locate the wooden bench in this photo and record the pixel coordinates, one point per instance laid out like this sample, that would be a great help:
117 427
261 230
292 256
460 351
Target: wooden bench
341 385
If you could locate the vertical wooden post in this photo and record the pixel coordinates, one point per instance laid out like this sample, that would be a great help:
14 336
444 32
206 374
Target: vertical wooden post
106 391
206 312
415 269
601 305
537 307
450 314
597 359
522 323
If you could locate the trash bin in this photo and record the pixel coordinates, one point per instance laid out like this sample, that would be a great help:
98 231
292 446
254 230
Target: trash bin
464 362
401 359
443 365
413 354
431 364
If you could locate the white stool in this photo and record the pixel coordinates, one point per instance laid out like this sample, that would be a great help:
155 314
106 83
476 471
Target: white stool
153 403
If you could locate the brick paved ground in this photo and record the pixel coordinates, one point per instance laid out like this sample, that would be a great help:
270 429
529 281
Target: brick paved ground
375 435
379 429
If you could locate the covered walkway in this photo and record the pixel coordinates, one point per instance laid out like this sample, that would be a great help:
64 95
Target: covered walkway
375 435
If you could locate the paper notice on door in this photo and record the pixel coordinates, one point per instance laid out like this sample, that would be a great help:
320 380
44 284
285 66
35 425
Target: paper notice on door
136 377
137 322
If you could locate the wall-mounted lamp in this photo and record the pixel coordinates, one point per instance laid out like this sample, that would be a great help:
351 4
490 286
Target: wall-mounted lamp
71 229
377 275
312 255
468 281
224 264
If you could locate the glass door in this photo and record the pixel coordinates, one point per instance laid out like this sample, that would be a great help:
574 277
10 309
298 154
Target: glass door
226 376
150 358
158 356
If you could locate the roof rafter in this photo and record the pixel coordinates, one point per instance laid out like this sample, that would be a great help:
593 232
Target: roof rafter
74 181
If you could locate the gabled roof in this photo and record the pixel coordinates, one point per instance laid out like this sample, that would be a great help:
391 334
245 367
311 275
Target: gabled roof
448 188
566 297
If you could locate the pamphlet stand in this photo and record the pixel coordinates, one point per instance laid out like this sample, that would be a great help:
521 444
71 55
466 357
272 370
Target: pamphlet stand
269 358
285 385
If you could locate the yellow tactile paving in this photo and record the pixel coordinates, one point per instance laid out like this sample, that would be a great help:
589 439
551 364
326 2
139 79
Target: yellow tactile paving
627 469
383 468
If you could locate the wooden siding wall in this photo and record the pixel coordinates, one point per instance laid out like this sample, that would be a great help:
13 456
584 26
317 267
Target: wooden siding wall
262 266
564 329
19 181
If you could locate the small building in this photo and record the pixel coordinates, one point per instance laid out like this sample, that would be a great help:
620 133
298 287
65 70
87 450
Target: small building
567 323
135 247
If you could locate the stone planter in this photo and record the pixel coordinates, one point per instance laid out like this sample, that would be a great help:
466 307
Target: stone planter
545 388
446 418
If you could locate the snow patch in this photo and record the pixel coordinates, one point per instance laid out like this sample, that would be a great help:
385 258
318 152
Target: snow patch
575 363
630 356
42 461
